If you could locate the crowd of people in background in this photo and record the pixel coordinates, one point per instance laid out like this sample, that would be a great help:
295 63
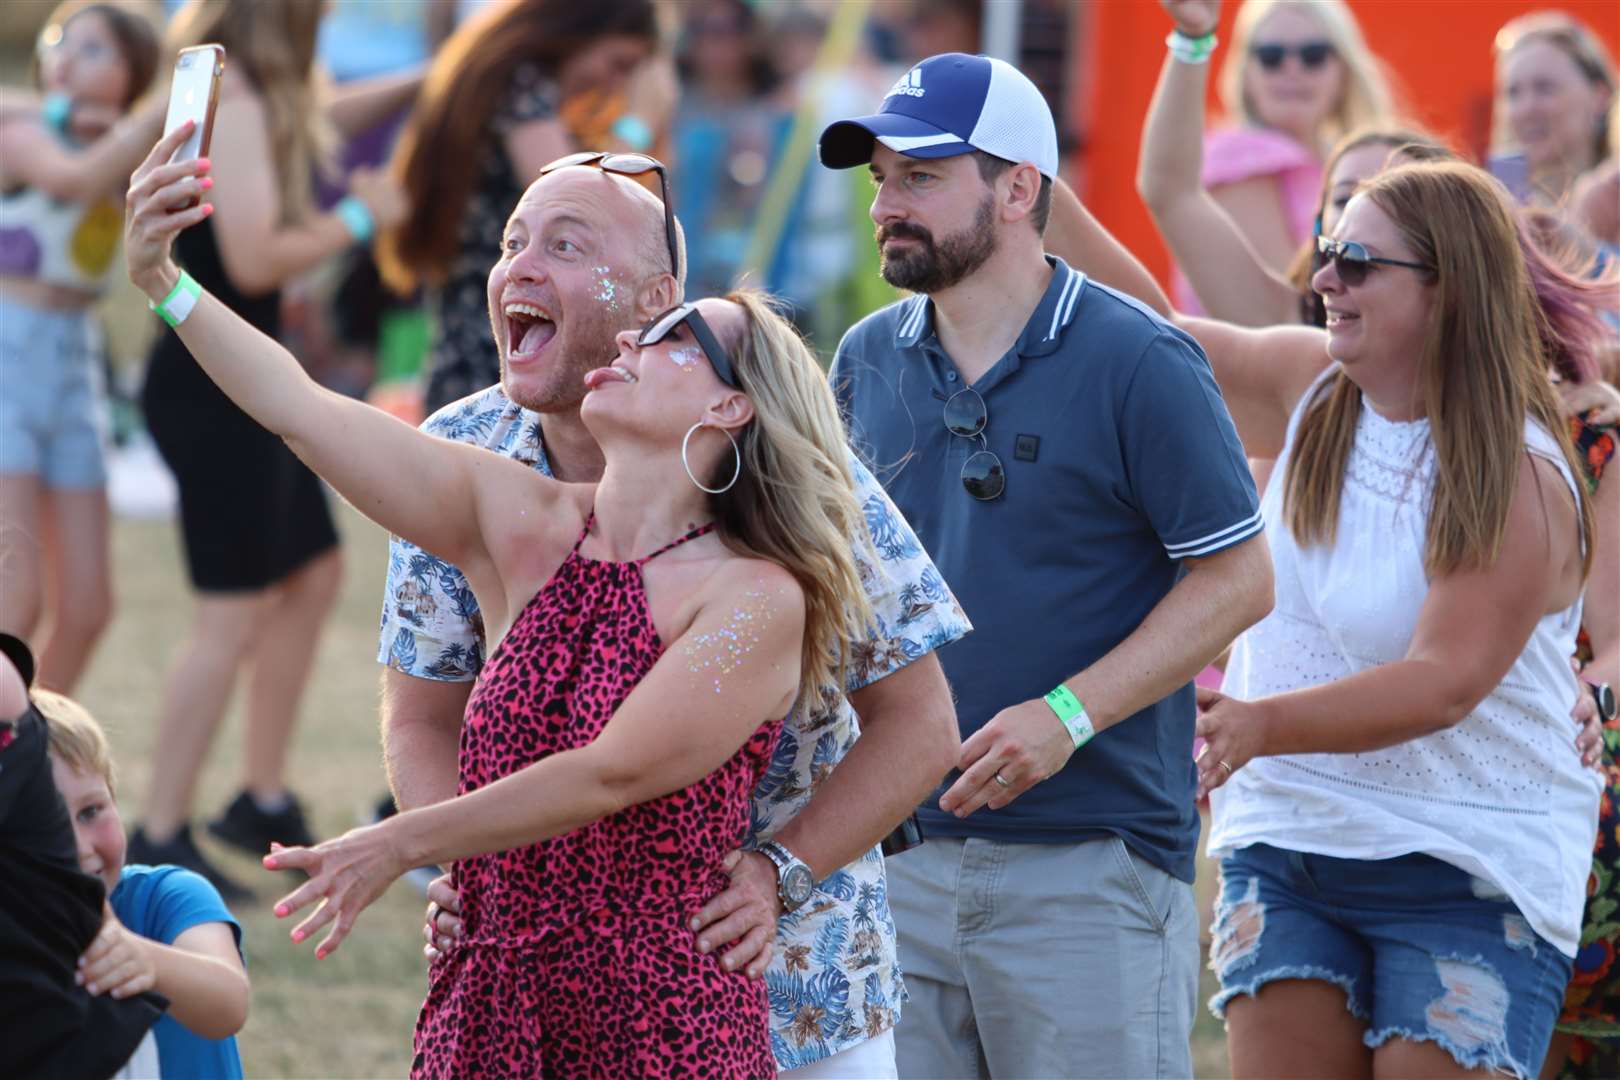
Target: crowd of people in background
838 602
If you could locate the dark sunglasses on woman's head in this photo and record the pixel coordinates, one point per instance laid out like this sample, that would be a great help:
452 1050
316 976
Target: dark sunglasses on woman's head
661 327
1312 54
982 474
631 165
1352 263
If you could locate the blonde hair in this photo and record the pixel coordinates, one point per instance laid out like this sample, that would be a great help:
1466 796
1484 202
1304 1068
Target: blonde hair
1482 373
794 503
1366 98
272 42
75 737
1585 50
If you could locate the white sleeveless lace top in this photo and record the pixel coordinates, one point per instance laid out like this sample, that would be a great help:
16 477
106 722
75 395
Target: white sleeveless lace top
1502 794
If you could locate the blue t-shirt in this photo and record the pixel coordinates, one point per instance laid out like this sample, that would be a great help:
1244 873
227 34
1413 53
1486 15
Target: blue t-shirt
161 903
1120 461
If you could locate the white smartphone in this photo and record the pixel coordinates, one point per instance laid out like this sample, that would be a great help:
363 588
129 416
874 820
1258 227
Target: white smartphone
194 95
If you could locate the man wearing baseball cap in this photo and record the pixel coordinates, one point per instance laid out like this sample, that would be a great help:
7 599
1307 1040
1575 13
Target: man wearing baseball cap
1067 460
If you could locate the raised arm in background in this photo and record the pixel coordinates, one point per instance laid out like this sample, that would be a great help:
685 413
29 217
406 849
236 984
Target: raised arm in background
261 252
362 104
31 154
1080 240
1230 277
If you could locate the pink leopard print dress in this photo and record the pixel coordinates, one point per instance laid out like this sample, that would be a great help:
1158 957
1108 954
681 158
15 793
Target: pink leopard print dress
576 959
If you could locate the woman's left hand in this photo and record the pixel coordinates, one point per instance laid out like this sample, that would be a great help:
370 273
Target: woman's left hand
345 874
1582 398
1232 734
158 207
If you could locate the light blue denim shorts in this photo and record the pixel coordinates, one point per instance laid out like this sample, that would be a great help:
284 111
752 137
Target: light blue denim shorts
51 413
1422 950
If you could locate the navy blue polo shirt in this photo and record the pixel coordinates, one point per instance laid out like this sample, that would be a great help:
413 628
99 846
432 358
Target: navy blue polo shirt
1121 460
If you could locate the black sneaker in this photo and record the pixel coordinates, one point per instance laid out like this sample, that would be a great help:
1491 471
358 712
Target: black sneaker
245 826
181 850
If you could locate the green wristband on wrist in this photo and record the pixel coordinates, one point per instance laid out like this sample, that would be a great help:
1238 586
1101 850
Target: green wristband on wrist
1071 714
1191 50
174 308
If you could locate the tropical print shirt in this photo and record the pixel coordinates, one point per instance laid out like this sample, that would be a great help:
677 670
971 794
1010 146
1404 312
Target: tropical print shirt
834 980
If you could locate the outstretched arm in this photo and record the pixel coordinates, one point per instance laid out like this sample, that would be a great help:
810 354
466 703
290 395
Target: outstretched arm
1215 254
684 720
1262 372
422 488
1080 240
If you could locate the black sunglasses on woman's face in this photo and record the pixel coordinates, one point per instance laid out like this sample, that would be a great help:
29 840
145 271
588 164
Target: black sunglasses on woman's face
1312 54
1352 263
661 327
631 165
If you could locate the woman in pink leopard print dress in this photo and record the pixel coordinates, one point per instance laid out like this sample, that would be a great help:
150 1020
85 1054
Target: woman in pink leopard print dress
613 738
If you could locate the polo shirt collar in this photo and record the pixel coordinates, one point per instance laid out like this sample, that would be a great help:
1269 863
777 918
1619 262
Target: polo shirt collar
1044 331
1042 334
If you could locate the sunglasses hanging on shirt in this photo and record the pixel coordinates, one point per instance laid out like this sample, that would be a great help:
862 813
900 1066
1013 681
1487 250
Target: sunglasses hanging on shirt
983 476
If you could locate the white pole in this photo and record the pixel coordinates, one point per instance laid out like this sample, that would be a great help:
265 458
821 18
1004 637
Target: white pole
1002 21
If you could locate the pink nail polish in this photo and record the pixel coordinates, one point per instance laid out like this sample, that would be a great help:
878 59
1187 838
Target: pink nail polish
207 182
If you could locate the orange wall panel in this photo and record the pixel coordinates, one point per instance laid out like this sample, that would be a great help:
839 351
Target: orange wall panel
1439 52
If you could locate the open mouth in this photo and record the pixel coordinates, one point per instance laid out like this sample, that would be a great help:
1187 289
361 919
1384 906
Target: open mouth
528 330
599 377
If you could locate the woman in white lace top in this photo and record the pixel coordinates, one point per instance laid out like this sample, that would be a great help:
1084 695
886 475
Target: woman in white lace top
1405 830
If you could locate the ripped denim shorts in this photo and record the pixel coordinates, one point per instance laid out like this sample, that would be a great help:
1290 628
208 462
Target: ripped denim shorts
1422 950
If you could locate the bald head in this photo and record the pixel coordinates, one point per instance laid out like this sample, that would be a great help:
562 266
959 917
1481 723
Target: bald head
618 205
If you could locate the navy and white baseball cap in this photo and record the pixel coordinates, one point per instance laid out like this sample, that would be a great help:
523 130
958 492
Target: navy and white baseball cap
952 104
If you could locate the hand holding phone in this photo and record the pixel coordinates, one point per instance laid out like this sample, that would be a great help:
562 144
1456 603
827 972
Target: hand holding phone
194 95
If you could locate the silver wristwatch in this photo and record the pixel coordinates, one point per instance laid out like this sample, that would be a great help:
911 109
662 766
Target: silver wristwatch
794 881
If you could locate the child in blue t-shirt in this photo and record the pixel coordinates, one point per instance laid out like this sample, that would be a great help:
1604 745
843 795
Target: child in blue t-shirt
166 928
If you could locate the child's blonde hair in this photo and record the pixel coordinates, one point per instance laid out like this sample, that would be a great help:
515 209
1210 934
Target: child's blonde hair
75 737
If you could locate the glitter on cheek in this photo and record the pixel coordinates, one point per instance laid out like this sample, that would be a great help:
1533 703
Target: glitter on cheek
721 651
687 358
607 289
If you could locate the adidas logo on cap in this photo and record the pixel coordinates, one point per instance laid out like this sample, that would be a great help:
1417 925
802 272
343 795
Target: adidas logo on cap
909 84
972 103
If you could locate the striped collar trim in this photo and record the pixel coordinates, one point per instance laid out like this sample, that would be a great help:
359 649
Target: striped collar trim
1042 334
915 323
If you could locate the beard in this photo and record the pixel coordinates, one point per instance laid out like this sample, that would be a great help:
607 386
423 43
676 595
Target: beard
929 266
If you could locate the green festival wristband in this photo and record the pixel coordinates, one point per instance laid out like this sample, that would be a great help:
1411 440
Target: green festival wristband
181 299
1072 714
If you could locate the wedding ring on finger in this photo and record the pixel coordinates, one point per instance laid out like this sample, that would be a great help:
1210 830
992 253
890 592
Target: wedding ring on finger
1227 767
1002 780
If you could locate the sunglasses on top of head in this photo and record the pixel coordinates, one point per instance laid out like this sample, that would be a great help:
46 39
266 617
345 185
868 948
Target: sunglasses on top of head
664 325
1312 54
1352 263
631 165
